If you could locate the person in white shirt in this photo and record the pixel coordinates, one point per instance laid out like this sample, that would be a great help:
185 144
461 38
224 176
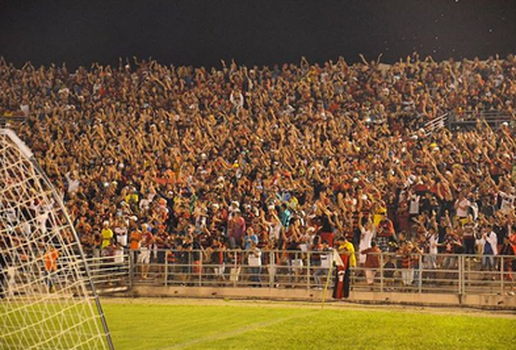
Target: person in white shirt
146 202
462 205
414 204
367 233
432 239
120 231
254 260
488 243
237 100
118 255
73 183
11 215
507 200
326 260
42 210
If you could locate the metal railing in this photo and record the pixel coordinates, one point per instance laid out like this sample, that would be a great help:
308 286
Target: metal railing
469 119
110 272
465 120
417 273
8 120
435 124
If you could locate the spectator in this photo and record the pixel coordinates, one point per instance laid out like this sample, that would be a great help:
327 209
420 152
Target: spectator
107 235
237 229
462 205
407 264
489 244
120 232
295 261
144 258
254 260
431 245
385 236
389 268
325 254
343 259
134 243
250 238
3 272
372 262
285 215
185 147
218 258
367 234
51 257
508 263
468 239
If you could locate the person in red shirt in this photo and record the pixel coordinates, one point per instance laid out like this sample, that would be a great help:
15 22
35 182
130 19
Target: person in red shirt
452 245
237 230
385 234
407 263
343 259
372 262
507 266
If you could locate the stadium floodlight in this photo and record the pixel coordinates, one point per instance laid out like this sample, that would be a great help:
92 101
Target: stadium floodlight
47 298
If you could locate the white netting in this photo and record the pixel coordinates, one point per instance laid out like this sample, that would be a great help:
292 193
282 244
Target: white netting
45 297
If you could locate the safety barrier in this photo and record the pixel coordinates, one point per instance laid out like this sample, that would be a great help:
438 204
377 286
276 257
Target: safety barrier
109 272
469 119
435 124
423 273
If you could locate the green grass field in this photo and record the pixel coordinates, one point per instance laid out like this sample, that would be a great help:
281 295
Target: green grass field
199 324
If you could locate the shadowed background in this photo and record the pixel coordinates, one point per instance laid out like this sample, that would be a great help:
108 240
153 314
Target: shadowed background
263 32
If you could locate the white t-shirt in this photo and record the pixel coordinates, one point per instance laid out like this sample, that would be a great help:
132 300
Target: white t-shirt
492 239
326 260
255 258
303 247
365 243
12 215
118 256
145 204
414 204
73 184
25 109
276 230
121 236
463 203
432 243
507 202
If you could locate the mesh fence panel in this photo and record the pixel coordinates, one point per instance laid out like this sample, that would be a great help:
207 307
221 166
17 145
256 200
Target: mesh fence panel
47 300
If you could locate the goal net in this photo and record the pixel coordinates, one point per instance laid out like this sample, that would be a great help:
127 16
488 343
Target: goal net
47 299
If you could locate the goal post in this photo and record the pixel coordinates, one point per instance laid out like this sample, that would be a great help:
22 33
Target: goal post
47 297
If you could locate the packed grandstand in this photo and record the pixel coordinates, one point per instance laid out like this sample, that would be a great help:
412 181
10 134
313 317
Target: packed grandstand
287 157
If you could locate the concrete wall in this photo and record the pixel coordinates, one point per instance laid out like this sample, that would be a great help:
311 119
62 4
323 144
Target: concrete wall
489 301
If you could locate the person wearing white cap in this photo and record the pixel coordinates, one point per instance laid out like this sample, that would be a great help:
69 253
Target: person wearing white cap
233 207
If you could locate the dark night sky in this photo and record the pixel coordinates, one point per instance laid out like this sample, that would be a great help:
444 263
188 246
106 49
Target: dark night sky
263 32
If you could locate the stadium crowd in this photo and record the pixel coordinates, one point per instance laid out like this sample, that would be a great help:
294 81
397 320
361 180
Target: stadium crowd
287 157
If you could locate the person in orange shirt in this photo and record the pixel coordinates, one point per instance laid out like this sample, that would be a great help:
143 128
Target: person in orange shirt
51 256
134 243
